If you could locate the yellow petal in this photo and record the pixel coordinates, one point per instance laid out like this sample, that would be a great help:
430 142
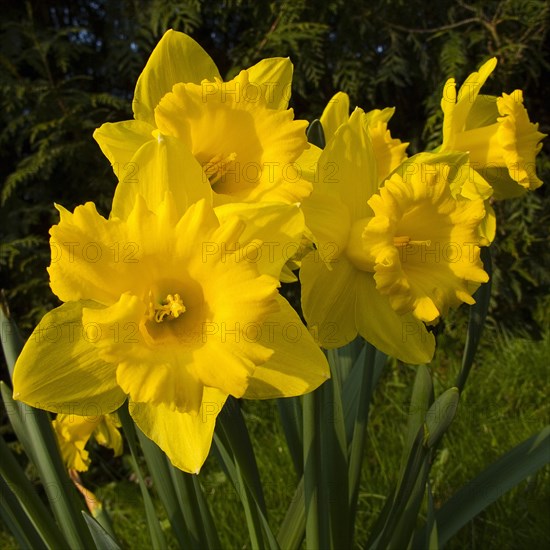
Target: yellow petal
389 152
328 300
88 250
108 435
119 142
59 369
176 58
163 165
272 233
401 336
273 77
519 139
488 226
456 108
335 114
185 438
328 218
351 157
297 366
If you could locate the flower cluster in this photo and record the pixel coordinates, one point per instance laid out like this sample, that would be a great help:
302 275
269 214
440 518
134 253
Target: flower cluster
172 302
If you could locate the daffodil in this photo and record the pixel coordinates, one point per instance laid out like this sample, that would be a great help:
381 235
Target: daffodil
240 131
73 433
172 305
495 131
389 259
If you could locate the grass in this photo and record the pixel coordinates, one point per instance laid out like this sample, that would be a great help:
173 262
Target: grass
504 402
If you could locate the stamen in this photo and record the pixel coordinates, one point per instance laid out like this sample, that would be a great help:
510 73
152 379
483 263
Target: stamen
406 241
171 309
217 167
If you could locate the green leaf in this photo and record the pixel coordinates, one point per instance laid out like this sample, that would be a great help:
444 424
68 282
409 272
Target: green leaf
157 536
312 471
367 369
27 506
501 476
34 430
12 341
187 498
476 322
291 531
333 490
232 423
421 400
253 511
17 521
290 413
162 480
102 539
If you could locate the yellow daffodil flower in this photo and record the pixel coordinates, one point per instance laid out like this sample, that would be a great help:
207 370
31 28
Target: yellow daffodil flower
171 304
495 131
388 259
73 433
240 131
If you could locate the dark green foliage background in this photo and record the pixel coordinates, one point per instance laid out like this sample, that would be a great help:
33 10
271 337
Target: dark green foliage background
69 66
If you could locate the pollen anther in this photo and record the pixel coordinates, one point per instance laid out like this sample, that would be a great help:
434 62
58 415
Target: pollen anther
171 309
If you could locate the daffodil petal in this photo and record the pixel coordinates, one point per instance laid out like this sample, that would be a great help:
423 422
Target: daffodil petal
164 165
176 58
108 435
348 164
274 77
293 345
119 142
401 336
271 235
484 112
469 91
185 438
88 250
328 218
59 368
335 114
328 297
456 107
